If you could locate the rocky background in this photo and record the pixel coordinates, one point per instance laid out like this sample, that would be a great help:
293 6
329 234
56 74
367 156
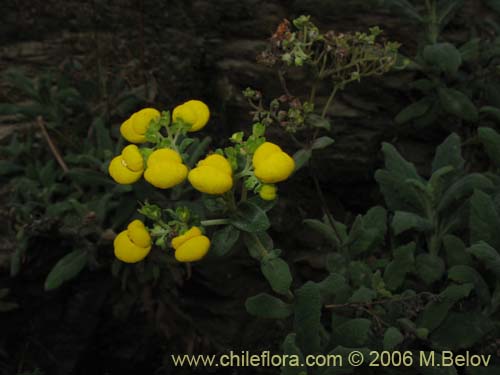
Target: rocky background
175 50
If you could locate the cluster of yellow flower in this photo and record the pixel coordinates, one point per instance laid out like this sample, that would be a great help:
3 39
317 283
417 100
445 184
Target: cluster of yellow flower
164 169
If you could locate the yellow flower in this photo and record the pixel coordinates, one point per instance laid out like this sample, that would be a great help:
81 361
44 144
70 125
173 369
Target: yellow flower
271 164
133 244
127 168
193 112
268 192
212 175
135 127
190 246
165 169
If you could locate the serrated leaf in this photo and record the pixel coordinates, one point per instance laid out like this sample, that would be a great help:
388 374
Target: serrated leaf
323 229
66 269
266 306
363 295
395 163
461 189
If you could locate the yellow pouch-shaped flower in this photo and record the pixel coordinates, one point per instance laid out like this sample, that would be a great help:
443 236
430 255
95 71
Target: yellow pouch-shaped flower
127 168
190 246
193 112
134 244
165 169
271 164
213 175
268 192
134 128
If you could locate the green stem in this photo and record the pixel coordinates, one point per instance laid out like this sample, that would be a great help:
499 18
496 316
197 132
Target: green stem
329 101
208 223
262 250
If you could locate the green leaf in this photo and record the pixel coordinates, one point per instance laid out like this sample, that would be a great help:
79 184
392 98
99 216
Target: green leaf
397 193
470 50
404 262
413 111
224 239
462 188
491 111
443 56
307 319
257 249
458 104
465 274
250 218
363 295
403 221
430 268
368 231
484 220
491 142
436 311
488 255
331 285
353 333
278 274
455 251
9 168
66 269
266 306
461 330
301 157
395 163
291 350
449 153
322 142
323 229
392 338
317 121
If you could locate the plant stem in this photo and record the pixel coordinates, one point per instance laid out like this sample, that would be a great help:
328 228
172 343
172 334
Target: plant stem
329 101
208 223
262 250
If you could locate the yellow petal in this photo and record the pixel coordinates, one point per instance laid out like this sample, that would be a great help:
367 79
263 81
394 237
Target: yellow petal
138 234
191 233
130 134
263 152
184 113
133 158
193 249
127 251
217 161
193 112
276 168
202 114
164 154
268 192
142 119
210 180
120 173
165 174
